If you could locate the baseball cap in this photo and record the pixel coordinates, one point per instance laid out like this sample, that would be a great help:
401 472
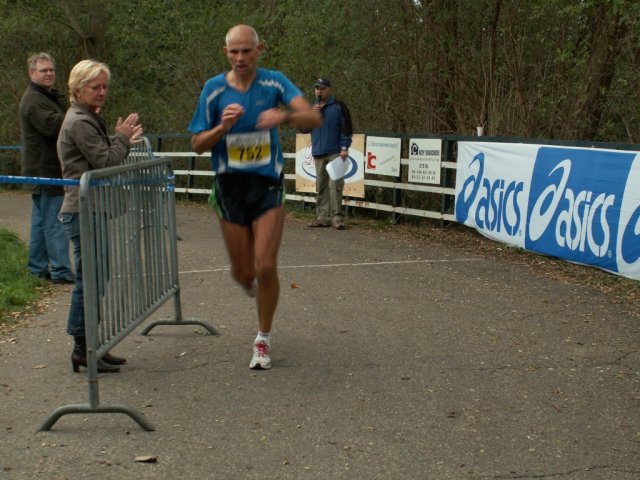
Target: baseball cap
322 82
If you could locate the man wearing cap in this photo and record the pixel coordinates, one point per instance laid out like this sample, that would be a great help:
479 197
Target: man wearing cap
331 139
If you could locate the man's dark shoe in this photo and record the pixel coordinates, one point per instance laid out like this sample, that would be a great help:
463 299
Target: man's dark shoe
70 280
316 224
339 225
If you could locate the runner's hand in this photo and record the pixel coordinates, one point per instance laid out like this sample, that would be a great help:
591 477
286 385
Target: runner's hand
271 118
230 115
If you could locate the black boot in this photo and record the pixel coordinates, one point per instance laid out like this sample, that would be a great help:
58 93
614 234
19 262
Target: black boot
79 357
113 360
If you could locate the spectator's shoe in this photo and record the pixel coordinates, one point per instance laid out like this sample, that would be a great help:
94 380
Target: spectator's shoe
79 357
261 359
113 360
318 224
68 280
339 225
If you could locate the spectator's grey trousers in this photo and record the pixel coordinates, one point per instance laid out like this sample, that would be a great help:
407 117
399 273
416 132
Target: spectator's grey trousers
329 200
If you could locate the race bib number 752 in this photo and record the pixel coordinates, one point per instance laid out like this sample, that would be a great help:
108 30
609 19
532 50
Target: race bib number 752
251 149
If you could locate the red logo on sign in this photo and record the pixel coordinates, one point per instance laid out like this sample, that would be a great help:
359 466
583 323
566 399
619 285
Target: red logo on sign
371 161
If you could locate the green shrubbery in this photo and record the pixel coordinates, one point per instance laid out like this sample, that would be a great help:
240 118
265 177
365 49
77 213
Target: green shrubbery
18 287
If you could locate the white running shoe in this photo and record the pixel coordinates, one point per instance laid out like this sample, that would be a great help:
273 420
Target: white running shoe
261 359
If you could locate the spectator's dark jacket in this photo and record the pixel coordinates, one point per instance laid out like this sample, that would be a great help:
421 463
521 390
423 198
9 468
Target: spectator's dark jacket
336 130
41 115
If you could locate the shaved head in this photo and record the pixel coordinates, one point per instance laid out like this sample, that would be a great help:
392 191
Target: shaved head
242 31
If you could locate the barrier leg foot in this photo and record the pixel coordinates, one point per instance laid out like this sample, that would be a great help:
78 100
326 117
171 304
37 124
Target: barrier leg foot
60 411
206 326
86 408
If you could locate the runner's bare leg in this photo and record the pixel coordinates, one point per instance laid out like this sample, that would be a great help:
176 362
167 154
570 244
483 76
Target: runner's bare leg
267 232
254 254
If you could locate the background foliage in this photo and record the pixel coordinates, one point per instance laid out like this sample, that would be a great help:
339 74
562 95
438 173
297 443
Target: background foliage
555 69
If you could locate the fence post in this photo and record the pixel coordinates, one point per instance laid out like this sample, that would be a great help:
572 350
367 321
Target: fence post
447 180
397 200
191 167
397 192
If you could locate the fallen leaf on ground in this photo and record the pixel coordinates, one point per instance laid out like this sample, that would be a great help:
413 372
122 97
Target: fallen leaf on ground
147 459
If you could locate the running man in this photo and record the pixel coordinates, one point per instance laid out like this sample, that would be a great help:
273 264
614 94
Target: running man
237 118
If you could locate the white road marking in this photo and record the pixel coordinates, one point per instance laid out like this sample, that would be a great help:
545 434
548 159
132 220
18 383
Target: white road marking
338 265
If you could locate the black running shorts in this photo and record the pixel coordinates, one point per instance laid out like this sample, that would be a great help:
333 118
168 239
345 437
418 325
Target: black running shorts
240 198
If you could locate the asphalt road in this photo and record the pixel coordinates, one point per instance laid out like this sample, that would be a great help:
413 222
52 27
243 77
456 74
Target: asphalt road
393 359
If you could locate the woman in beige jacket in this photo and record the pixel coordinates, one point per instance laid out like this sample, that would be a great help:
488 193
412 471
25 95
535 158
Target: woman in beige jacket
84 144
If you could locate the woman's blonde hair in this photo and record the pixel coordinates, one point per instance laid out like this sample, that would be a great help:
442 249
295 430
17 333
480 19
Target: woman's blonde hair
83 72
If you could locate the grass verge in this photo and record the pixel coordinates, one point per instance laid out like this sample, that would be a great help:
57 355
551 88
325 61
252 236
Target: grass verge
19 289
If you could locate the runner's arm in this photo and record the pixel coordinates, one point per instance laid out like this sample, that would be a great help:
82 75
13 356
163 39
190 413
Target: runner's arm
302 116
204 141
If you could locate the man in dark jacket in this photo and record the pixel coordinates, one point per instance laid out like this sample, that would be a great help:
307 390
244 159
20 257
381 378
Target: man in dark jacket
42 111
329 141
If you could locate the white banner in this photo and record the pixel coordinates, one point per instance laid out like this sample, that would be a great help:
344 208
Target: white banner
424 160
383 156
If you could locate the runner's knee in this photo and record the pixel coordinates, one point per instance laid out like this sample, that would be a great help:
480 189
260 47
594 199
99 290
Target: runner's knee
244 277
266 268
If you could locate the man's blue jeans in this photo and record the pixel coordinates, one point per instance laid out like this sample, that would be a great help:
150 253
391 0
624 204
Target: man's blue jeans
75 322
48 244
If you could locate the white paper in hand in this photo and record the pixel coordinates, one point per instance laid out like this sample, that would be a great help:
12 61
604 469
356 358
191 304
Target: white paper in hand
337 168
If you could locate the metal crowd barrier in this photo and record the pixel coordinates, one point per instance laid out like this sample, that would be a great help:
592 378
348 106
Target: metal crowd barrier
139 152
129 263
